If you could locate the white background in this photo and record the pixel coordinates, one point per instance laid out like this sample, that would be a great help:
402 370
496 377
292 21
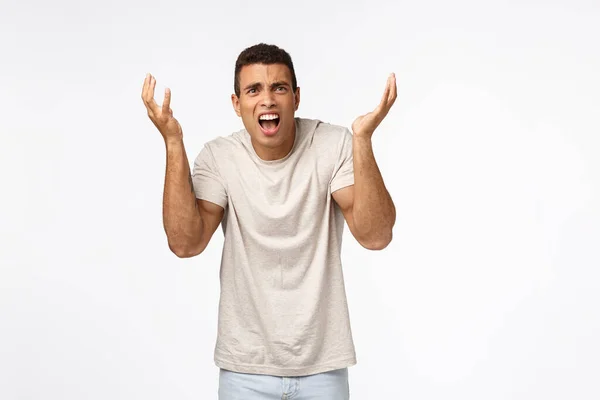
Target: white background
489 289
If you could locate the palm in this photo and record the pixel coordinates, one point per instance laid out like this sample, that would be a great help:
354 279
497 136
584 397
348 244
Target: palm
161 116
166 122
366 124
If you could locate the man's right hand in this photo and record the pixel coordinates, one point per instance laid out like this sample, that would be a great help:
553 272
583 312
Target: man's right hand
161 117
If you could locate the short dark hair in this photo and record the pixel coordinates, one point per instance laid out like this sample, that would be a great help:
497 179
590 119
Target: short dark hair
262 54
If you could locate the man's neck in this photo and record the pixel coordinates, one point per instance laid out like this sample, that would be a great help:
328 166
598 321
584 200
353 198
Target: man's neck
273 154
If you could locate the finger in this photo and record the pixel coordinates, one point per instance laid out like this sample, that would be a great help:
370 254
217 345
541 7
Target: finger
393 90
146 89
149 97
384 99
145 86
167 101
386 92
152 86
389 96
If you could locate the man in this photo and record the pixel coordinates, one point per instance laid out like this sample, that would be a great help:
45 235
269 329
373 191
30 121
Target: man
281 188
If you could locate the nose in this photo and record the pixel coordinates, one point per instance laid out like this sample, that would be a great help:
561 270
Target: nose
268 99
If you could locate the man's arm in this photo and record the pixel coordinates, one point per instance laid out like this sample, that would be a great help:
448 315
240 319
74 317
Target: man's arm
188 223
367 205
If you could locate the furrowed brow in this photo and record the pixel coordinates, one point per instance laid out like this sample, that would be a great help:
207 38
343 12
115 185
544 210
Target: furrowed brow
254 85
280 83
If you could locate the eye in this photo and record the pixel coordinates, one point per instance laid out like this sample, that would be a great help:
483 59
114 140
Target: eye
281 88
251 91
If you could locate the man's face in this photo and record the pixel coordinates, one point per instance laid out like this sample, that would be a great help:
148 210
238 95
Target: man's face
267 105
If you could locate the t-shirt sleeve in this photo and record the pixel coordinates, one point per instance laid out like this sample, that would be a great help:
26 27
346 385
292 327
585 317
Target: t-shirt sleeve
343 173
208 183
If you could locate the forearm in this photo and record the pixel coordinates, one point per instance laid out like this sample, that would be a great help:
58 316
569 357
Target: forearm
373 211
181 217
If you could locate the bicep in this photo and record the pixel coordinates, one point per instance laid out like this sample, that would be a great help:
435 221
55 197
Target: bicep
212 215
345 200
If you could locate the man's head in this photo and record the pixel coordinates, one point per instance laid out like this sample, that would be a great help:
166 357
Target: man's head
266 98
267 54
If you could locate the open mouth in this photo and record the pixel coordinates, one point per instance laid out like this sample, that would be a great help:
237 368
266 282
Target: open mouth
269 123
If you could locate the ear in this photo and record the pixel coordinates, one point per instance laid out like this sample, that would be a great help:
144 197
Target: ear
235 102
296 98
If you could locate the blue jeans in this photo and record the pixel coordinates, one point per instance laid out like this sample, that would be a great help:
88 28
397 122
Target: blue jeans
331 385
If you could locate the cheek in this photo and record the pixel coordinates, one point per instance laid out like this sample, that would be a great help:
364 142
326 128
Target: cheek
247 110
247 107
290 106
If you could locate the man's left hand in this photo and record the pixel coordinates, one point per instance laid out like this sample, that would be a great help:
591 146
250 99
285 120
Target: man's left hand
365 125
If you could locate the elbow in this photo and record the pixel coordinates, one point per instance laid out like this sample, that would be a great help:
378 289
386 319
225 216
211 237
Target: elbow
185 254
377 243
182 251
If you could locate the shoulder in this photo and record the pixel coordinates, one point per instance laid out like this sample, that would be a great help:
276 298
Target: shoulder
225 143
223 146
324 133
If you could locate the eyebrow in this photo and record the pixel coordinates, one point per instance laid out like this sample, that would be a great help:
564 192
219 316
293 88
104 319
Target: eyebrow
253 85
280 83
256 85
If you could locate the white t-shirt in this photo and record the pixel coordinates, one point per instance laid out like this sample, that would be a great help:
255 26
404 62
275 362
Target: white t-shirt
283 308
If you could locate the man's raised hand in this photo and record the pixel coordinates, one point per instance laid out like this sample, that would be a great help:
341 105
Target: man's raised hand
365 125
161 117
